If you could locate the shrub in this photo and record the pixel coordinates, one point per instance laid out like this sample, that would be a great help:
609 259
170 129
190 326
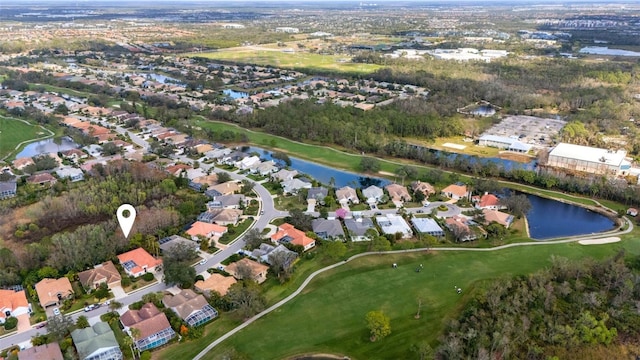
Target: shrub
11 323
145 356
148 277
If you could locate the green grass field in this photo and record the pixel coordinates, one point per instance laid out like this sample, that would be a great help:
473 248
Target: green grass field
328 317
14 132
293 60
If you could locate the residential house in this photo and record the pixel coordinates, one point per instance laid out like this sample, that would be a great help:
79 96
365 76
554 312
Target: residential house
258 271
206 180
216 282
294 185
153 327
423 187
373 194
105 273
74 155
8 189
318 194
233 157
138 262
427 226
42 179
630 211
459 225
288 234
456 191
393 224
191 307
491 215
167 244
265 168
398 193
357 228
73 174
247 163
346 195
265 251
228 188
49 351
13 303
21 163
207 230
328 229
97 342
488 201
178 169
232 201
51 292
221 216
284 175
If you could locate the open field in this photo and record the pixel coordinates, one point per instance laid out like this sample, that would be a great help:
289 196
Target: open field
276 57
329 314
14 132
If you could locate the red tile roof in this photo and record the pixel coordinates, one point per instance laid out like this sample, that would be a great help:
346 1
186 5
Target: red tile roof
141 258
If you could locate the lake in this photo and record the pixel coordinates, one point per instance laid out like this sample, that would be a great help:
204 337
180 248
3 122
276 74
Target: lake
235 94
324 173
47 146
552 219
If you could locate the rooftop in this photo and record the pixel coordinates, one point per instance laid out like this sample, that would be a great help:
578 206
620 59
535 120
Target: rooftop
590 154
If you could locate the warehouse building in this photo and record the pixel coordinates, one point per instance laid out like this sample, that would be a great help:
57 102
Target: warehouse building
589 159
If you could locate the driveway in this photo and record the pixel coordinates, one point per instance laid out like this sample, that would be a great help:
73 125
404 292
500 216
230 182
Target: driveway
118 292
23 323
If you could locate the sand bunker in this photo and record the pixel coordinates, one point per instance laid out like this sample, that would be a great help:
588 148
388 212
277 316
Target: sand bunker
608 240
454 146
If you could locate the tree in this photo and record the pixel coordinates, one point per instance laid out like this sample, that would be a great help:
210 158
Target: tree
110 149
378 324
423 350
253 238
281 262
82 322
247 186
518 205
300 220
369 164
334 250
115 305
177 265
246 298
223 177
59 326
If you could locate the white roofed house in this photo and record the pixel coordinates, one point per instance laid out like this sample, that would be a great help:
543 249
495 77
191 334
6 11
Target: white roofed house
284 175
294 185
589 159
427 226
247 162
73 174
265 168
393 224
373 194
346 195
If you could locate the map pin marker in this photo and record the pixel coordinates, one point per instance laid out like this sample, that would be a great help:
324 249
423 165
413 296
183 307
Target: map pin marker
126 223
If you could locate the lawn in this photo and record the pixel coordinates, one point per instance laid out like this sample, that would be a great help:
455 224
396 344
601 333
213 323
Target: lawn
328 316
13 132
293 60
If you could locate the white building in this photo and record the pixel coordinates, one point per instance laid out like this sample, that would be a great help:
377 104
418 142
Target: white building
589 159
393 224
428 226
503 142
286 29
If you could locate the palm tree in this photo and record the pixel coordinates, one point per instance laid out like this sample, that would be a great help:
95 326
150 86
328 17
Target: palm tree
135 334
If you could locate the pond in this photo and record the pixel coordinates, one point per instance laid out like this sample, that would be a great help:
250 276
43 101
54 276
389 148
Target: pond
324 174
235 94
552 219
47 146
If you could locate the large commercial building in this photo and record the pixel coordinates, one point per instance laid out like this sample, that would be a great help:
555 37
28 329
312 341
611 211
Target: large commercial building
589 159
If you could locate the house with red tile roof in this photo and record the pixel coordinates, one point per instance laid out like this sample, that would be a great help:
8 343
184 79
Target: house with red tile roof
461 230
21 163
424 187
13 303
216 282
49 351
207 230
287 234
105 273
398 193
488 201
137 262
177 169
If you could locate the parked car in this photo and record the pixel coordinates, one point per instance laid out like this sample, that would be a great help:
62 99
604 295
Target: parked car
203 261
56 311
41 325
420 211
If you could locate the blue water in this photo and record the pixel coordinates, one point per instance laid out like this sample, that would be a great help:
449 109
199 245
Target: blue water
235 94
324 173
551 219
47 146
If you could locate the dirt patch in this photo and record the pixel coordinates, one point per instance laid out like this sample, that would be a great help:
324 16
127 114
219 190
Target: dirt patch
515 157
318 357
